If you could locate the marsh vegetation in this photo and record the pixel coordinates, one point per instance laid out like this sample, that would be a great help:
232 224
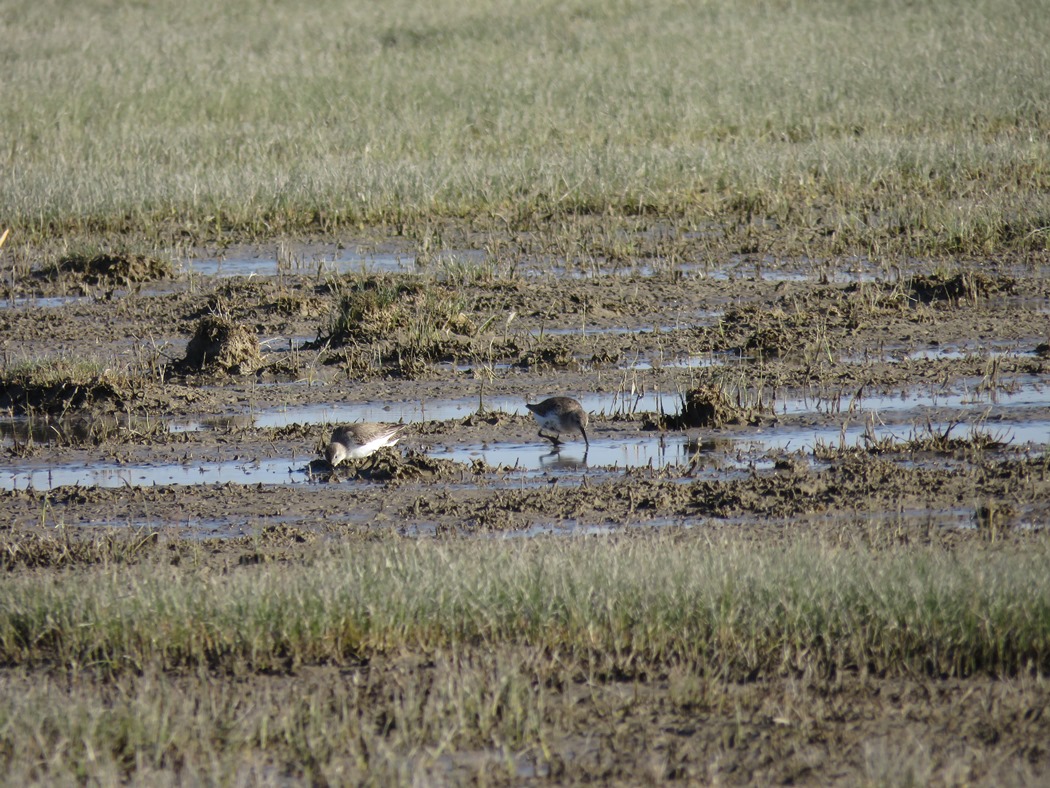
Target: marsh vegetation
893 128
792 256
340 659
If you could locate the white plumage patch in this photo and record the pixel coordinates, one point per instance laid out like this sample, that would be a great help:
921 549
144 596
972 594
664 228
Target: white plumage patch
357 441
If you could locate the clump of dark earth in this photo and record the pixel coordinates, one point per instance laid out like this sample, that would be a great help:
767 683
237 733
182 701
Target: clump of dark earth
554 354
22 395
967 286
109 268
770 341
388 466
220 345
371 308
707 406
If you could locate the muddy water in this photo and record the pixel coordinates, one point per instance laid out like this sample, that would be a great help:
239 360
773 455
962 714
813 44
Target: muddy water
41 302
967 396
892 366
755 449
107 474
328 259
1017 416
255 262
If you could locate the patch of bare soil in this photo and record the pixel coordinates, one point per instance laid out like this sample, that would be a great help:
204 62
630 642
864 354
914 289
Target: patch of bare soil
724 353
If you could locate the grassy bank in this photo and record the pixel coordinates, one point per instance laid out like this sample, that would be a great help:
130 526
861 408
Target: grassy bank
611 606
634 659
833 127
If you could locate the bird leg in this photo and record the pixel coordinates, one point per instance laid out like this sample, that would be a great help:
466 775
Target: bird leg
554 439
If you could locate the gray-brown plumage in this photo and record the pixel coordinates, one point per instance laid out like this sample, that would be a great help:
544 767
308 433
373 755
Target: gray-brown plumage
560 414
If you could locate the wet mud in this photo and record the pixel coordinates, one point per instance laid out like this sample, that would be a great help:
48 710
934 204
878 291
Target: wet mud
689 380
764 396
909 404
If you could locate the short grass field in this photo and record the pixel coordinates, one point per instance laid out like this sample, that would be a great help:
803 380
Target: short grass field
841 127
384 660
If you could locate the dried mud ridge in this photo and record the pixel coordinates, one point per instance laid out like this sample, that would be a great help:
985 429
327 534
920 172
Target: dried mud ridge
226 348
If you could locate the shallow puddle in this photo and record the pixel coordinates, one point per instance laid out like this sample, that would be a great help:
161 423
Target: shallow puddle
737 267
22 430
322 260
613 331
407 411
643 452
1016 348
561 529
282 470
335 262
1026 392
697 361
776 440
755 450
191 528
415 411
44 302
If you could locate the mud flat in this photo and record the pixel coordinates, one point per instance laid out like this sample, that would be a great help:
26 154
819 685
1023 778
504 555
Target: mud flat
731 402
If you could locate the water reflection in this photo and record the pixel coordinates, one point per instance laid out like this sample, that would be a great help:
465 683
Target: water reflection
245 263
414 411
657 451
753 450
45 302
71 430
109 474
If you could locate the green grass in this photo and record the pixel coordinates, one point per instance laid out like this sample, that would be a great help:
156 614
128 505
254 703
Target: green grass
380 661
624 606
812 126
165 729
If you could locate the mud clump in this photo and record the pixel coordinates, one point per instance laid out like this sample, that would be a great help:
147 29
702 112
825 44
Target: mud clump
554 354
770 342
769 333
707 406
389 466
219 344
106 268
23 394
961 287
373 308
